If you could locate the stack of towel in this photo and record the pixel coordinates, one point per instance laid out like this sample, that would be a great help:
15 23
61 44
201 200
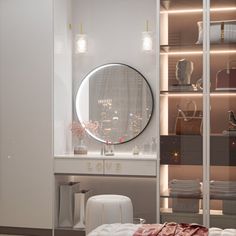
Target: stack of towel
184 187
223 189
186 195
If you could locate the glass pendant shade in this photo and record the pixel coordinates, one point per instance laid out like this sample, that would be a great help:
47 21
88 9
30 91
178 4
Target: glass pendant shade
81 44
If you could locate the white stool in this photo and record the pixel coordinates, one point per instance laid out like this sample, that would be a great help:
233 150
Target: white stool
108 209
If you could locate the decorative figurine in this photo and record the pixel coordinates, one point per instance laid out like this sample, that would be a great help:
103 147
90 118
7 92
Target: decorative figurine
184 70
232 121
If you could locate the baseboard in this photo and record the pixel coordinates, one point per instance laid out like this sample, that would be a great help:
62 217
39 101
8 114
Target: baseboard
39 232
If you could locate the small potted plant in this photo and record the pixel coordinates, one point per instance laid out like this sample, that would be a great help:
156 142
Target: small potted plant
79 132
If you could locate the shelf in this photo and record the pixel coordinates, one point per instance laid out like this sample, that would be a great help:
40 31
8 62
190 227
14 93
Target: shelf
213 93
197 49
181 93
181 4
223 92
212 213
196 4
187 150
217 218
166 194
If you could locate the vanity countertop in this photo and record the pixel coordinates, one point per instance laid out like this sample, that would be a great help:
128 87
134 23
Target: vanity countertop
120 156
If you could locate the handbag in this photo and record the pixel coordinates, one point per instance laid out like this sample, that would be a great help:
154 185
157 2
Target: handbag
188 122
226 78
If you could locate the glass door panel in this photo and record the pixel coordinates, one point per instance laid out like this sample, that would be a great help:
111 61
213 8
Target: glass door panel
181 108
223 109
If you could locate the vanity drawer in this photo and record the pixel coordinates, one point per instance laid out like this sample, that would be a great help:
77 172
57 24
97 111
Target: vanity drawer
78 166
130 167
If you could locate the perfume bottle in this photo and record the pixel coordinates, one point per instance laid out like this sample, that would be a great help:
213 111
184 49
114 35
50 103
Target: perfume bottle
109 149
135 150
154 145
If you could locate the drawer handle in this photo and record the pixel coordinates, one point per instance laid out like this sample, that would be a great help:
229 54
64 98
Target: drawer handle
99 166
118 167
89 166
108 166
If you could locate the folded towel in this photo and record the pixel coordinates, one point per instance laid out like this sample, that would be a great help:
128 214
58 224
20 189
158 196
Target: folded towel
223 195
183 184
186 193
181 189
227 189
223 183
188 182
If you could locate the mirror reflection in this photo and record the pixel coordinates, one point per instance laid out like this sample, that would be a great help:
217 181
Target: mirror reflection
118 99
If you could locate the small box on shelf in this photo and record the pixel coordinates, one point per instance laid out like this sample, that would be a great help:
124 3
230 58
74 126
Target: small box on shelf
229 207
185 205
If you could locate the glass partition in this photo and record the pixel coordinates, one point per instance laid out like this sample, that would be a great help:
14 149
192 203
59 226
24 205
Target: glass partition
223 114
181 111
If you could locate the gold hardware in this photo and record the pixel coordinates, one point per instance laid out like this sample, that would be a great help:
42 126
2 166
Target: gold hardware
222 35
89 166
147 26
81 28
99 166
108 166
118 167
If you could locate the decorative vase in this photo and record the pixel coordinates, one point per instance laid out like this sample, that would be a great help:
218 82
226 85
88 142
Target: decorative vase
80 148
79 211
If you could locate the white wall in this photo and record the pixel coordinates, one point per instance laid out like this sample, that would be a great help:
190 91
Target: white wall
114 29
26 69
62 77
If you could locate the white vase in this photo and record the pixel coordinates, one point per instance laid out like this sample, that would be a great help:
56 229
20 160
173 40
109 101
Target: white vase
67 192
79 211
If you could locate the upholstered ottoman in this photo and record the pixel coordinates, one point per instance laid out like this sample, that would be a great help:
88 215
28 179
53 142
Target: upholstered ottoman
108 209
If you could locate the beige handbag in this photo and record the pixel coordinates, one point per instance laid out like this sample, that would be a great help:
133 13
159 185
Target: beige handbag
188 122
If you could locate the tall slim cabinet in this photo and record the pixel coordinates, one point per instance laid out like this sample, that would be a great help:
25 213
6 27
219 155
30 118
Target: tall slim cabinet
26 150
197 106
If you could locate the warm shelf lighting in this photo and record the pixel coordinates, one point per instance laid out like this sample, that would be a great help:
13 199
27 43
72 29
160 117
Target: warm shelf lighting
223 94
197 10
198 52
181 53
222 51
181 94
197 94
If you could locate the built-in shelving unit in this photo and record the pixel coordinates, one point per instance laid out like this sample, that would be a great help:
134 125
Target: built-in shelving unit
194 49
211 155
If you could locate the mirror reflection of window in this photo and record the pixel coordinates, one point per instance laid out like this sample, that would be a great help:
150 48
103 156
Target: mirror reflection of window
120 101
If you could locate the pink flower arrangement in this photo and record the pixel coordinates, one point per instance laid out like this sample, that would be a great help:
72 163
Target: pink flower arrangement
79 129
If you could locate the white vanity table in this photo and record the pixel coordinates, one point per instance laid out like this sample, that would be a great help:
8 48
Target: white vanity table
95 164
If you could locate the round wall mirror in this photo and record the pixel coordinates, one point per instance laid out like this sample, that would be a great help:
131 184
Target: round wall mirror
118 100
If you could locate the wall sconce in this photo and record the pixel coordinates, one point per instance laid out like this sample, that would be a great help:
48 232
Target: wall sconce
81 44
147 39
